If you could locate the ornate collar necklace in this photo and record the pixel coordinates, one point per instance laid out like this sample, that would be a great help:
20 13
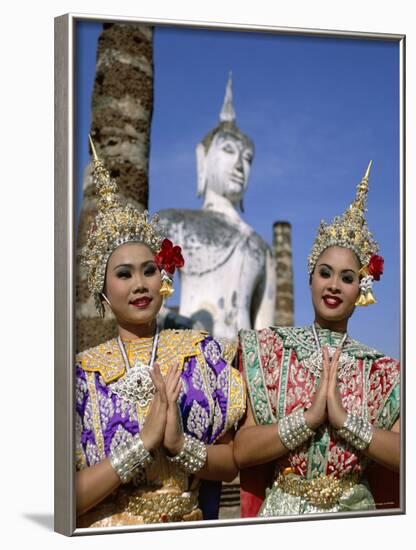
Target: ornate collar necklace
314 363
136 385
330 348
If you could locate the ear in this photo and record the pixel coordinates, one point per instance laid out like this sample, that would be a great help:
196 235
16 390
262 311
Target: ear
201 168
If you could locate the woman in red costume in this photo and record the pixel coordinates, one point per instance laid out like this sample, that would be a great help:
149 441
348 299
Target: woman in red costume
322 405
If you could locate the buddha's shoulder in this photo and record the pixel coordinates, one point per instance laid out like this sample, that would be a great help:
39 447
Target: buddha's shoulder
189 216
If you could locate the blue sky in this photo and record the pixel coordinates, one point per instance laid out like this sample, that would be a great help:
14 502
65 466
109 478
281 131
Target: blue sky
317 108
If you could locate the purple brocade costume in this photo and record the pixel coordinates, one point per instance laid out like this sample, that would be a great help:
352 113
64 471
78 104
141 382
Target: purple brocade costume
212 400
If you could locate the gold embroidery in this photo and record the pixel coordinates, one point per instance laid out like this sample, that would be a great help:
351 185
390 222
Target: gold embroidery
99 438
143 505
105 358
166 473
236 399
229 349
80 462
174 347
80 459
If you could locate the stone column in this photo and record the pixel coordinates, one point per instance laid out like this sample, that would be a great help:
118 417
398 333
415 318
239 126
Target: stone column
282 244
122 104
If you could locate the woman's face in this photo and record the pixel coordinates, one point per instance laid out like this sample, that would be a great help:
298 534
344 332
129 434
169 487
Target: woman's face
132 285
335 287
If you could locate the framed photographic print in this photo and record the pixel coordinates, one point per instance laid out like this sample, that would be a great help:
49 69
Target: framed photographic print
261 390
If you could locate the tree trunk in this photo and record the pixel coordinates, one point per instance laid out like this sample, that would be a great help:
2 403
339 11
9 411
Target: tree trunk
122 104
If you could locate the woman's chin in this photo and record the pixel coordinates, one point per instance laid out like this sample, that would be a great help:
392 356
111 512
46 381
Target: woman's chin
332 320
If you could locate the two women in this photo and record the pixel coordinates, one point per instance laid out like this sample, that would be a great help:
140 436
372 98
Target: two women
156 410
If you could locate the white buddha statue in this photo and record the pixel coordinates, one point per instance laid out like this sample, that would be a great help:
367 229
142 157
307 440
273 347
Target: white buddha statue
228 281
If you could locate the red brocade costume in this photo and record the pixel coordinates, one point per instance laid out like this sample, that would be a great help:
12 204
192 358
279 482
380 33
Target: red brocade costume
282 369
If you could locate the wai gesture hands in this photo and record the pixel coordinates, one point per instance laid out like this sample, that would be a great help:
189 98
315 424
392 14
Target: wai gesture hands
162 424
327 403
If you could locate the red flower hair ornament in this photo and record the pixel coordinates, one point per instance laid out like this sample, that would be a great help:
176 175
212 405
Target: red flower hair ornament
169 257
371 272
376 266
167 260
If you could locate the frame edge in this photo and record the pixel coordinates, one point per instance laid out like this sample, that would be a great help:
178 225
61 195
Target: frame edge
64 507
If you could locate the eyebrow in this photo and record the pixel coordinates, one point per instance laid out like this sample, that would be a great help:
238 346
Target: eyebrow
342 271
231 137
131 266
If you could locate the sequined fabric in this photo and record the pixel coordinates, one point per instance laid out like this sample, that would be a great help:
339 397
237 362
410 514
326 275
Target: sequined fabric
280 503
212 399
280 368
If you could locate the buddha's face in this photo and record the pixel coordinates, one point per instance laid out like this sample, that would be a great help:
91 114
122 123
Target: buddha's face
228 163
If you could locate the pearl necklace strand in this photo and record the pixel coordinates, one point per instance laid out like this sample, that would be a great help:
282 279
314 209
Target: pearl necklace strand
314 363
152 356
136 386
318 343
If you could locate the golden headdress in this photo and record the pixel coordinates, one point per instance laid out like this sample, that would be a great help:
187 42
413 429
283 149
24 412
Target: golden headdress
350 230
113 226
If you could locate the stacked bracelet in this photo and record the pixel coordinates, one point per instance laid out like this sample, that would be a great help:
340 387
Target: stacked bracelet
192 457
357 431
293 430
128 456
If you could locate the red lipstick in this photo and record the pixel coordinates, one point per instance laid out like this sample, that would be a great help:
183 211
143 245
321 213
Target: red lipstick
332 301
141 303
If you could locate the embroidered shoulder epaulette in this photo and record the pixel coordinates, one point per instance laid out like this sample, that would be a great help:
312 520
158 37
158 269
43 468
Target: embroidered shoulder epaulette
174 346
301 339
360 350
105 358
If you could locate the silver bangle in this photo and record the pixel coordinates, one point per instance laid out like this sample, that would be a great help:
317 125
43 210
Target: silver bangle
128 457
293 430
192 457
357 431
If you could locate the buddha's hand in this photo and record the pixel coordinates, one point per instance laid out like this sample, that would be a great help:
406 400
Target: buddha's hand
336 412
174 439
317 412
153 430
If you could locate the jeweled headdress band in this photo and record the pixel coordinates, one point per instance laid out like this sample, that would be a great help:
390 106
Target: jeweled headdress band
350 230
113 226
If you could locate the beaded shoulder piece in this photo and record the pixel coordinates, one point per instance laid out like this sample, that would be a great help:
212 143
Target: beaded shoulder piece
229 349
174 346
301 340
105 358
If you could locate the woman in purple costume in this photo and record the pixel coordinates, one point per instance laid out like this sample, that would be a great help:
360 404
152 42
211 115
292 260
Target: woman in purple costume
155 410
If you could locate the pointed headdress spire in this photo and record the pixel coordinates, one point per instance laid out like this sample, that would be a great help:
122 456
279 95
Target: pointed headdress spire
227 113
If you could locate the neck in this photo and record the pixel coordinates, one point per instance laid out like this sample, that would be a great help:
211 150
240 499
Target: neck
218 203
131 332
335 326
